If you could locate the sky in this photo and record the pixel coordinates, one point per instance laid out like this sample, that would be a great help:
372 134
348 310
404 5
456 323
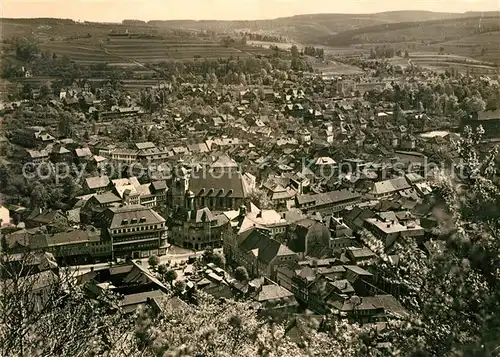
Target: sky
117 10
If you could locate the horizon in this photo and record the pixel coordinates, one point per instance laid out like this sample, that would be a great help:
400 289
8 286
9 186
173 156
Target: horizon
224 10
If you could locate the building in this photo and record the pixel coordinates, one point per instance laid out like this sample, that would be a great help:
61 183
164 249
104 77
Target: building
197 229
36 157
329 202
387 188
257 252
307 235
135 231
219 188
341 235
71 246
124 156
132 192
269 219
4 216
386 227
97 184
33 137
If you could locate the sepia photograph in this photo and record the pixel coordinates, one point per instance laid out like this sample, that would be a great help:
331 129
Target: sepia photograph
239 178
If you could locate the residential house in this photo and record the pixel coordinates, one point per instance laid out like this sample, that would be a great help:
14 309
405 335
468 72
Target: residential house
4 216
389 229
33 137
97 184
258 252
329 202
52 219
387 188
306 235
36 157
60 154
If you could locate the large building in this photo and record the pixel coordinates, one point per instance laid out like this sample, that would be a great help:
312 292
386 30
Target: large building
219 187
198 229
135 231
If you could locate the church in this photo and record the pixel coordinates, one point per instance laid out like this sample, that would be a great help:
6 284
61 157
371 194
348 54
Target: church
218 187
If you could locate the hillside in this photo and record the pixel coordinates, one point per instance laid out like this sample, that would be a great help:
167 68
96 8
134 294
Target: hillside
315 28
434 31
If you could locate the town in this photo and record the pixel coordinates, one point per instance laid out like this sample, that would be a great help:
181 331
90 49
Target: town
261 180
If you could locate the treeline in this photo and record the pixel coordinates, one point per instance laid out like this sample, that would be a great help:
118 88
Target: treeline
315 52
386 52
264 38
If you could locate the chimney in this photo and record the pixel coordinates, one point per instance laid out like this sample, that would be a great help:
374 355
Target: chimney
243 211
259 215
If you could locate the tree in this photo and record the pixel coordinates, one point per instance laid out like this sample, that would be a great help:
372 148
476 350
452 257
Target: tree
162 269
454 290
294 51
179 287
241 274
47 314
153 261
407 55
474 104
65 125
26 48
170 276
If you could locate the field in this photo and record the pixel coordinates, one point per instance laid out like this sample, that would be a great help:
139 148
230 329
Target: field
485 47
328 67
119 51
439 63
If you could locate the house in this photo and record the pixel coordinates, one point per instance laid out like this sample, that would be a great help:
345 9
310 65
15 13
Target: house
60 154
388 188
52 219
305 235
341 235
36 157
83 155
280 196
324 167
198 148
135 231
135 285
99 202
304 136
133 192
360 256
97 184
265 218
257 252
126 156
4 216
329 202
33 137
389 229
77 245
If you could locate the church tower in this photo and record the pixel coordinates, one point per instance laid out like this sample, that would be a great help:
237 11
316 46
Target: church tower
180 185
